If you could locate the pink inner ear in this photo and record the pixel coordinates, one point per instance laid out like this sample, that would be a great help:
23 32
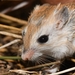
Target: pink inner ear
59 25
62 17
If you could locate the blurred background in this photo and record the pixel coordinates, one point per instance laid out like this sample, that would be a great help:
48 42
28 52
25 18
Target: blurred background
18 8
22 8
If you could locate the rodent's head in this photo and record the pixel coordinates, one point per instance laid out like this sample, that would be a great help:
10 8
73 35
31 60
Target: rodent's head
45 34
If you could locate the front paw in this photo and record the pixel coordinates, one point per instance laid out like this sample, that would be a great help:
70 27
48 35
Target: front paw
51 69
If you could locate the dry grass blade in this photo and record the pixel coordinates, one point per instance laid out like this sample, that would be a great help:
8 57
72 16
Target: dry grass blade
73 60
43 65
64 71
73 74
10 27
10 34
10 43
23 72
6 73
13 19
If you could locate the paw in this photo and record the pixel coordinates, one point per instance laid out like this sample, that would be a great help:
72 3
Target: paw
51 69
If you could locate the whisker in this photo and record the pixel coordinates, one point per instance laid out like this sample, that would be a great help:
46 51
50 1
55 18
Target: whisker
43 59
49 57
40 60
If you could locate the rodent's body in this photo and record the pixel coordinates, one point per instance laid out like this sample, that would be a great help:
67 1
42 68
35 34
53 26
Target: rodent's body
50 32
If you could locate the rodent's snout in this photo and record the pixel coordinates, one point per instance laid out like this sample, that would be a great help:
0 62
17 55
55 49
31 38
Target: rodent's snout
27 55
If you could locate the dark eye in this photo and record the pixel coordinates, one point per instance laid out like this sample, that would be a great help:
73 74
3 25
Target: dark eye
43 39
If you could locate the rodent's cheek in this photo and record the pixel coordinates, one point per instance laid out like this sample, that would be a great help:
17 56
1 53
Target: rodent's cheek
36 55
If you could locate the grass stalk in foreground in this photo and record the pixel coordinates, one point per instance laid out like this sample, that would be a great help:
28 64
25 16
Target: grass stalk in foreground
10 57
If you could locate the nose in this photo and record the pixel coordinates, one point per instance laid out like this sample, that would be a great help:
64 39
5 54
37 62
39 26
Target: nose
27 55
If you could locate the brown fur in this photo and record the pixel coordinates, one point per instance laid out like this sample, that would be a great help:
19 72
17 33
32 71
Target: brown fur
30 31
47 11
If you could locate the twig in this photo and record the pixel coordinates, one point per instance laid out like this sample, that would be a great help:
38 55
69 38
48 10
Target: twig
10 27
10 34
73 74
13 19
64 71
43 65
23 72
18 6
73 60
6 73
10 43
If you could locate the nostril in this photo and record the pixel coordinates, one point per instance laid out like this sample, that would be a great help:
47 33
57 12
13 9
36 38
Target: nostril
27 55
26 59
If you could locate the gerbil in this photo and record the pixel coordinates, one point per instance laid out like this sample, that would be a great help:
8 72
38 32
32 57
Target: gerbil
50 32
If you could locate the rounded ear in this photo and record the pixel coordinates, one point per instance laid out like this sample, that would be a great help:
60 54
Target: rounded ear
62 17
36 7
